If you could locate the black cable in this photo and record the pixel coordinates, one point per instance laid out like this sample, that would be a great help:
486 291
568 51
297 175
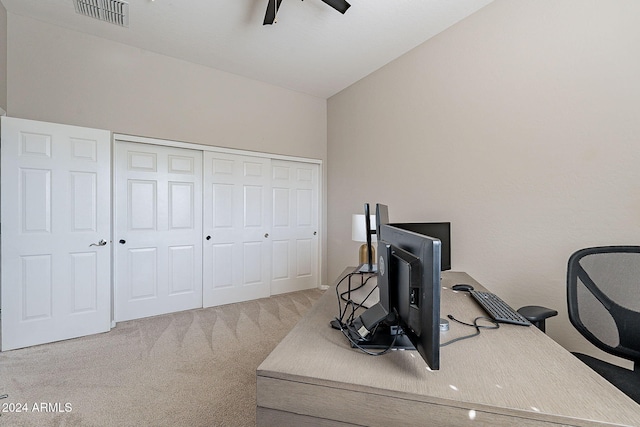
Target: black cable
354 344
340 296
354 289
355 307
349 303
475 325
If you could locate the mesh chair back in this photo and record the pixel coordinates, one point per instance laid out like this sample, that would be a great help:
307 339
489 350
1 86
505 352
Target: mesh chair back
603 294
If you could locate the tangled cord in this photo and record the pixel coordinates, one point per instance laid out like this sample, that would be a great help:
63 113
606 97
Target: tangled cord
495 325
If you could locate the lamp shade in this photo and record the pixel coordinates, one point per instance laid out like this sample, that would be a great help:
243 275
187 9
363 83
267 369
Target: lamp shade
359 227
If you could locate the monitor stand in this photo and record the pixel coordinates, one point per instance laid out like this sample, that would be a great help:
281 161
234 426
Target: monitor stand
383 338
366 268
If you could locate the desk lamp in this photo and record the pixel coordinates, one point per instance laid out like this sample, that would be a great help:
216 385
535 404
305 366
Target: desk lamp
359 234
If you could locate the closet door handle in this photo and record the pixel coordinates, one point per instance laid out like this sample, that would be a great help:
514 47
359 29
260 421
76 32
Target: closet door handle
208 237
122 241
266 235
102 242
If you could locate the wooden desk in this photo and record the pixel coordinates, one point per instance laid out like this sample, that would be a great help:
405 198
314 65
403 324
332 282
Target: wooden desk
512 376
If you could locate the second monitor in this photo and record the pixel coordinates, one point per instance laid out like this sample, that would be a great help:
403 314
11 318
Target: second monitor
438 230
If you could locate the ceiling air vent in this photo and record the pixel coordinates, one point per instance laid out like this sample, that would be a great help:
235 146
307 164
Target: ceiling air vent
114 11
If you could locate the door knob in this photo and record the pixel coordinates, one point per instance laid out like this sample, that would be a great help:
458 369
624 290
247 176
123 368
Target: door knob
102 242
266 235
208 237
122 241
315 232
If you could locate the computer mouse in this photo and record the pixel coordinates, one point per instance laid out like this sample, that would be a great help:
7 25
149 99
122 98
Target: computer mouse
462 287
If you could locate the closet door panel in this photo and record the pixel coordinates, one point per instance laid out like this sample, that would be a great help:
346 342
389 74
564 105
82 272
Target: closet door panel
294 227
158 230
236 228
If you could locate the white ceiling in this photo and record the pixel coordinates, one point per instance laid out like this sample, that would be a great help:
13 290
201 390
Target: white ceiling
312 48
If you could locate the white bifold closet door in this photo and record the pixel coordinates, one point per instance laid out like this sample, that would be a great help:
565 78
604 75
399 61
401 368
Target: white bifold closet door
237 218
56 262
261 227
294 228
158 230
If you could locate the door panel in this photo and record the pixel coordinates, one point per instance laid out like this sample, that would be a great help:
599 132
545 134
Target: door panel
294 228
142 207
56 278
181 205
236 219
37 287
304 254
142 280
158 205
83 201
83 280
181 270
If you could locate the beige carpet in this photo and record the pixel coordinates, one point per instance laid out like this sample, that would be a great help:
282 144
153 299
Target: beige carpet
193 368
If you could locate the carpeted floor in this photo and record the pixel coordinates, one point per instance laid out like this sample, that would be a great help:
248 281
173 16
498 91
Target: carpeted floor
193 368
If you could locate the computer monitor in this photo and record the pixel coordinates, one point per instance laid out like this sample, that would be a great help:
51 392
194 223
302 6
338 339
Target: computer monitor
409 286
439 230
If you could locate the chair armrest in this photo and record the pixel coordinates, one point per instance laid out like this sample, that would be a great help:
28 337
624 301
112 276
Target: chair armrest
537 315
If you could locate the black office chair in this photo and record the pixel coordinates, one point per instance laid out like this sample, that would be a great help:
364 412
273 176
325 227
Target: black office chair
603 296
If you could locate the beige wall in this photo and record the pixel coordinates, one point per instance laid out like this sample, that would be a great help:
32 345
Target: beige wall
519 125
62 76
3 57
66 77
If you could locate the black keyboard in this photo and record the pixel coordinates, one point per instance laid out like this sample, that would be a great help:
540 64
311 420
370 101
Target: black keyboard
498 309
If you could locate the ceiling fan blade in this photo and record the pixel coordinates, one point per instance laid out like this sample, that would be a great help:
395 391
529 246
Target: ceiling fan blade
339 5
272 9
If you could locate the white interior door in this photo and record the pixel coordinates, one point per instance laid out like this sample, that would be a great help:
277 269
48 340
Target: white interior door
236 228
294 229
158 230
56 263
